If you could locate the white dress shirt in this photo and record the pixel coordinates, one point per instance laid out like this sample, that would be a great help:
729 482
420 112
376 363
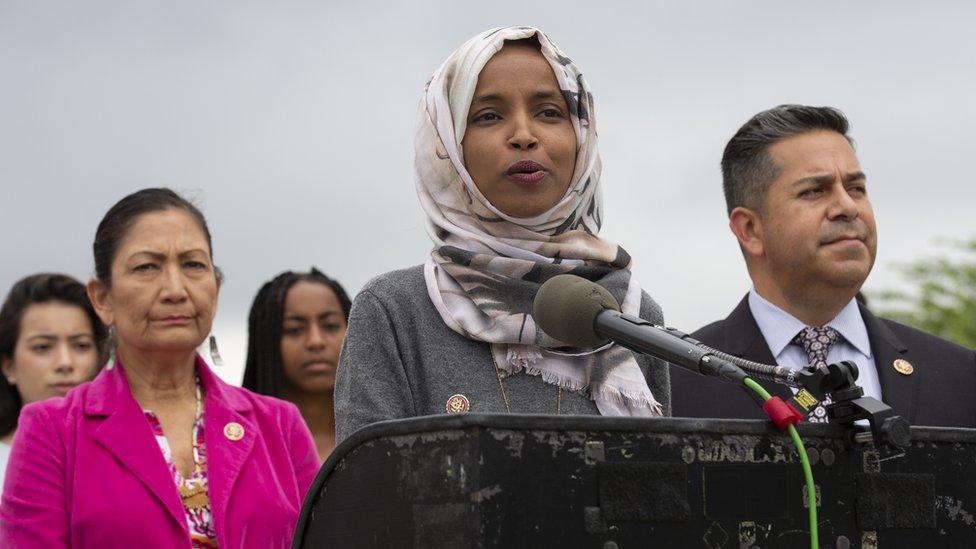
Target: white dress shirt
779 328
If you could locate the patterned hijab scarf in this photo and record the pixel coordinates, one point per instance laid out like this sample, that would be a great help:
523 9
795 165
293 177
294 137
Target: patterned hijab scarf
486 266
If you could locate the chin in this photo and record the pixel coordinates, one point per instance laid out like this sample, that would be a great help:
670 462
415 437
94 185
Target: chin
848 276
521 211
319 386
175 344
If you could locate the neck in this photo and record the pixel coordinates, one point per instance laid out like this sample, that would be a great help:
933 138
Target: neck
9 438
812 304
318 411
809 308
158 378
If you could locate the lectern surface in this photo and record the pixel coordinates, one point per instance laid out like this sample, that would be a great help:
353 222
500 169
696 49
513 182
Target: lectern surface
544 481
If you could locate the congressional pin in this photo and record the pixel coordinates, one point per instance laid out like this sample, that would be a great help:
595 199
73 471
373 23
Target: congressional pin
234 431
904 367
458 404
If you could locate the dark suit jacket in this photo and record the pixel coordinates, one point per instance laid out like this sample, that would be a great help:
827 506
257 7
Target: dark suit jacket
940 392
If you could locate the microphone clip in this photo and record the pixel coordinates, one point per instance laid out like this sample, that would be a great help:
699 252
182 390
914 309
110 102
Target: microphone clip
889 432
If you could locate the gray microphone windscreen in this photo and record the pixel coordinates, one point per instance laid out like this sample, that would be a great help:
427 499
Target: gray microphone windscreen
566 308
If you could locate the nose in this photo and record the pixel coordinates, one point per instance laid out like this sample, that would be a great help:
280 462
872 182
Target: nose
843 205
65 363
174 285
522 138
315 341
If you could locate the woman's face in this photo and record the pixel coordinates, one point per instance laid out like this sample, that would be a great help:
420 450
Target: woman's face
519 145
54 352
311 336
164 287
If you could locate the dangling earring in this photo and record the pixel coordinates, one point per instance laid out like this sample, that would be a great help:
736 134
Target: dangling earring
110 365
214 352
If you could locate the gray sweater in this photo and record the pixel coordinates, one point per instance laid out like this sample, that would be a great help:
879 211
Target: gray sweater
400 360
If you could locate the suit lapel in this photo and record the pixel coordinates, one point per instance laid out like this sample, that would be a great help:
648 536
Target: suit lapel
126 434
226 453
744 339
899 391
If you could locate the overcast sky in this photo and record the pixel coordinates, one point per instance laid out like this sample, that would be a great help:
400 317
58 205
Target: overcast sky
291 125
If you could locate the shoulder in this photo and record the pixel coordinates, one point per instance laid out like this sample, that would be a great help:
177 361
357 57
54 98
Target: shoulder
264 407
710 332
400 294
650 310
740 322
49 424
57 411
399 283
916 339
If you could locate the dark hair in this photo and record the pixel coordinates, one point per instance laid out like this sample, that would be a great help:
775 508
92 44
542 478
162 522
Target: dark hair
264 372
748 170
530 41
120 218
32 290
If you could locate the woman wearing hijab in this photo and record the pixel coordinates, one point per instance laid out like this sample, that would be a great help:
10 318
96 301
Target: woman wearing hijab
508 175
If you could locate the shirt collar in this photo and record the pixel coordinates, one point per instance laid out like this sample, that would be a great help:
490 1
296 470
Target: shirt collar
850 324
779 327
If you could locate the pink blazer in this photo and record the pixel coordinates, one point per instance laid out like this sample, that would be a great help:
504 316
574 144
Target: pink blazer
86 471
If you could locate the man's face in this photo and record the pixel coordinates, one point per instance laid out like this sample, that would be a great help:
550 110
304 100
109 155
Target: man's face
817 227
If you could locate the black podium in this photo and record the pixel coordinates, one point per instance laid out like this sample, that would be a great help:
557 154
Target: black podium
474 480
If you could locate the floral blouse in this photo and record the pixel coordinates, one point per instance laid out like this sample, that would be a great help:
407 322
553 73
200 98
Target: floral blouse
199 521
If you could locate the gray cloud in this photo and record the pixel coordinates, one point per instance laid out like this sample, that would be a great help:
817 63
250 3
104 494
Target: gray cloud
291 123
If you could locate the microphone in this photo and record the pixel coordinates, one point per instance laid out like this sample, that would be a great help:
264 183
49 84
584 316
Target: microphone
581 313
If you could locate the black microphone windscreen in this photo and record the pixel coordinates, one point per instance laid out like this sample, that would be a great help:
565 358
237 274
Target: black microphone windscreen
566 308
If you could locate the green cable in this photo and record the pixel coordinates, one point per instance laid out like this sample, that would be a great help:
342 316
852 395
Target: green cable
807 472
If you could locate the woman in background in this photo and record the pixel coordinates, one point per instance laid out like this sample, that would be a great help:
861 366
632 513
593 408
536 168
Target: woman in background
295 330
157 449
50 341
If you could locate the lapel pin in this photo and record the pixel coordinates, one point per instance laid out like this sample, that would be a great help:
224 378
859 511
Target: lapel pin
234 431
904 367
458 404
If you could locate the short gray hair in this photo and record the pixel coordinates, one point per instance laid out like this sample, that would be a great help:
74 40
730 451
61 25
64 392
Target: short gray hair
748 170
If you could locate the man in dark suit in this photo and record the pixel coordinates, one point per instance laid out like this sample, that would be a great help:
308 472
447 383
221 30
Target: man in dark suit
798 204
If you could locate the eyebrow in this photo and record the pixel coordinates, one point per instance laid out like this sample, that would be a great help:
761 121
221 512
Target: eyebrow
52 336
300 318
826 179
161 256
541 94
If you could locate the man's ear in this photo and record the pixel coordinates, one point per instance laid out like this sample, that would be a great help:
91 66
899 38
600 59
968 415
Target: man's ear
98 295
747 226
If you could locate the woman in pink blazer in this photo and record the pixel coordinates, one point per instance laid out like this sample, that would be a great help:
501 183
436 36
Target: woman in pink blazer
156 451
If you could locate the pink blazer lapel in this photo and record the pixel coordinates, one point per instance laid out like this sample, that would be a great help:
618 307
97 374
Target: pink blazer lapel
230 436
126 434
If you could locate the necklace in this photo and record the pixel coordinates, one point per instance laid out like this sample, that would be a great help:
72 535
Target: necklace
501 385
194 493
